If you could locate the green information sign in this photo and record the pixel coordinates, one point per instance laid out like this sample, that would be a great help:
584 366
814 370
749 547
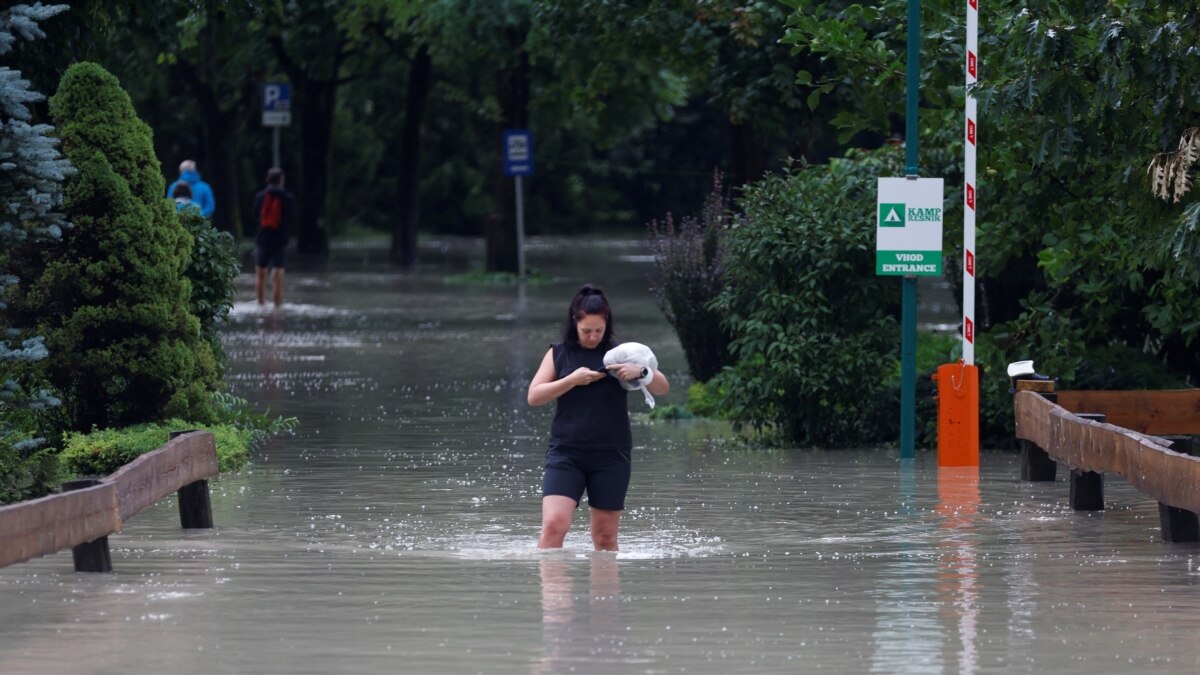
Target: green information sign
908 236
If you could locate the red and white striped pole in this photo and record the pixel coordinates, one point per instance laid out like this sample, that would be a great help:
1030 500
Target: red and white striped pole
969 194
958 383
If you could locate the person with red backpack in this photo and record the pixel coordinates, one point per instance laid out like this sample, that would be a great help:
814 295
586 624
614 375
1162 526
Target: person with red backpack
274 210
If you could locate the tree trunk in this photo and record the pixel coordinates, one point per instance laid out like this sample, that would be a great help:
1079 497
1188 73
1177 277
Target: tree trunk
218 123
500 230
316 99
408 184
748 162
221 172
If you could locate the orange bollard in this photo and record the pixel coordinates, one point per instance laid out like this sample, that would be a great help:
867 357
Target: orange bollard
958 414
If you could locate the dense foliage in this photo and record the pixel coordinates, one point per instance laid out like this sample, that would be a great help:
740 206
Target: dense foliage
1075 263
110 296
101 452
815 331
689 266
31 175
212 269
397 105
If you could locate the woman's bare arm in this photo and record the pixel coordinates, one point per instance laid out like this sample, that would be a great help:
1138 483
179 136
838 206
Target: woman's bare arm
544 388
659 385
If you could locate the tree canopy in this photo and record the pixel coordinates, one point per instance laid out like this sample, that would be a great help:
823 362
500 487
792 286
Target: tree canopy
1076 98
632 105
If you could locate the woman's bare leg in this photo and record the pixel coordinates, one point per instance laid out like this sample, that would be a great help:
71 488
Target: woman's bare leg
556 520
604 529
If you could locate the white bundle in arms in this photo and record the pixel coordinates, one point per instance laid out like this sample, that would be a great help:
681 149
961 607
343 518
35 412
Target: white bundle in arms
636 353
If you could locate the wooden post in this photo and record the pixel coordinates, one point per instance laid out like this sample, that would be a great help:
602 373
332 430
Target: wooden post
1036 464
1087 490
91 556
195 506
1182 444
1179 525
1087 487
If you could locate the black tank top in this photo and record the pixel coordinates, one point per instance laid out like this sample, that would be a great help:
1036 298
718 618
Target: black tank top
594 415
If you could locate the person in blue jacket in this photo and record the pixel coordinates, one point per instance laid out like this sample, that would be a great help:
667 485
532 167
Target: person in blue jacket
202 194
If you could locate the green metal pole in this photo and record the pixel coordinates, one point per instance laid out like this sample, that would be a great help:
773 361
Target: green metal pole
908 311
912 142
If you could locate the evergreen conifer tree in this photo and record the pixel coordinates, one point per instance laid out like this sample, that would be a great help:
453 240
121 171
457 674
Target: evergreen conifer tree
111 296
31 176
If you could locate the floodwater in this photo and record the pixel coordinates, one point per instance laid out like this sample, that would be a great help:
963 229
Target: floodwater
394 530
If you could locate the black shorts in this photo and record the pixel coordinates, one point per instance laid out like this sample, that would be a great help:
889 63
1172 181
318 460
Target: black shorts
602 472
270 256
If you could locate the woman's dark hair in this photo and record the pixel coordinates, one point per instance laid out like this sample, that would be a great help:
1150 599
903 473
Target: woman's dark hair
589 300
181 189
274 176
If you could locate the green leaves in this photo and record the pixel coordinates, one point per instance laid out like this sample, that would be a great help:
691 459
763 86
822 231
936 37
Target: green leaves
860 59
815 328
1074 98
110 296
99 452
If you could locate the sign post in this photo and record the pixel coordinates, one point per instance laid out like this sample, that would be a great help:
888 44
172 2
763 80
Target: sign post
518 162
276 112
908 286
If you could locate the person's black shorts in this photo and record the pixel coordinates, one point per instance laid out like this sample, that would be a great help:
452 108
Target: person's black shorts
602 472
273 256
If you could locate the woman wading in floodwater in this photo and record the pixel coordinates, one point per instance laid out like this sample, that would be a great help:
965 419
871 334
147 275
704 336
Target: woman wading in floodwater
590 440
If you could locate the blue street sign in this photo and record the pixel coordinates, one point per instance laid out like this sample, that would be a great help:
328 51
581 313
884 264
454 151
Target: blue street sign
277 104
518 152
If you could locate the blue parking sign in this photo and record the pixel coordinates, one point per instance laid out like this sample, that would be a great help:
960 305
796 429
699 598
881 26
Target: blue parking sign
277 104
518 152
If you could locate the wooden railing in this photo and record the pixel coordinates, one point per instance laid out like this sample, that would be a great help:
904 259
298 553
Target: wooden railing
1087 443
83 518
1164 412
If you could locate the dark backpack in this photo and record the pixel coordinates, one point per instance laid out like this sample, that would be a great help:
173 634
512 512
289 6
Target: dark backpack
272 211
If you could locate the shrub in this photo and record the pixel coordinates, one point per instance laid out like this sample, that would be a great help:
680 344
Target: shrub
111 297
816 330
230 409
704 400
101 452
688 265
27 471
212 271
671 412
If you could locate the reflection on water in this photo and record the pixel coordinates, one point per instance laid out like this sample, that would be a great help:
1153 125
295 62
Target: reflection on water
396 529
958 505
582 630
908 632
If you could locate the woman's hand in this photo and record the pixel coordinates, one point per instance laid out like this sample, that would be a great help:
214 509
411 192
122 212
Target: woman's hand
627 371
585 376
